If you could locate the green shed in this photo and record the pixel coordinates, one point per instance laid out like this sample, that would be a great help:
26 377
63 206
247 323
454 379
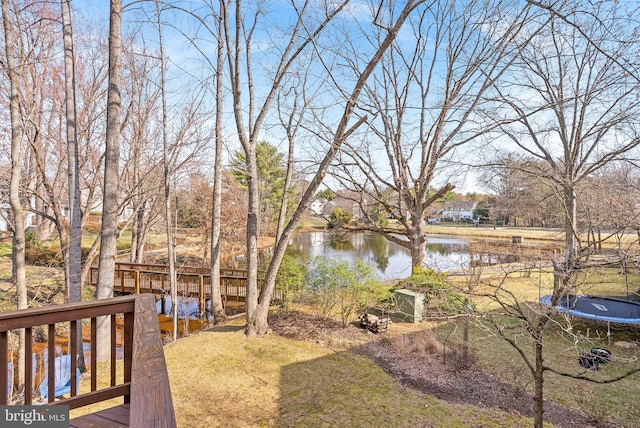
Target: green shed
410 305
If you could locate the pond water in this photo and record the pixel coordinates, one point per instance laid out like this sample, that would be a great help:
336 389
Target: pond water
443 252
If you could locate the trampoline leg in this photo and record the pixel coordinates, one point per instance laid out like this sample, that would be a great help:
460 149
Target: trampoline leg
609 333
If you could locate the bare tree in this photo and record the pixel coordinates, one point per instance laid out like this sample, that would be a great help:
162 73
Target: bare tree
107 258
142 149
12 68
575 110
573 105
301 37
294 103
73 261
217 307
422 106
171 248
521 199
239 30
526 326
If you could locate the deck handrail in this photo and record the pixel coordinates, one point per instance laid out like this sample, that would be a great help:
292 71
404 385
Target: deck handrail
70 313
142 354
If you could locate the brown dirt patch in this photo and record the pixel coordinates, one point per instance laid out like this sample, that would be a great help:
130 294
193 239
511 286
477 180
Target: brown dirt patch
438 373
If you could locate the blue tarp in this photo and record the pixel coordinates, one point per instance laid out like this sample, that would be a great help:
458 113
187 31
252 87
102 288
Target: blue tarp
188 307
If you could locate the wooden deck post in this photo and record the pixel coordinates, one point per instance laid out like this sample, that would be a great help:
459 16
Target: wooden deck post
202 298
151 402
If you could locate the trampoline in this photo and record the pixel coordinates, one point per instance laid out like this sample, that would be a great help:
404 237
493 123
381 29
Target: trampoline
609 309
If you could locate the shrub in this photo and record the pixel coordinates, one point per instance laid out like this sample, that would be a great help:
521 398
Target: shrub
39 254
289 280
421 343
441 296
338 288
339 217
44 256
31 238
92 228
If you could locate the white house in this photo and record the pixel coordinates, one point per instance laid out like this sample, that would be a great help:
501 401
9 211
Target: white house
317 206
459 210
5 213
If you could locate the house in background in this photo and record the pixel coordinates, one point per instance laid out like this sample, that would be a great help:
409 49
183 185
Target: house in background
317 206
5 211
459 210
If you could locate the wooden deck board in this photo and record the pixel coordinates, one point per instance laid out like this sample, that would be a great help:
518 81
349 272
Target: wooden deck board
114 417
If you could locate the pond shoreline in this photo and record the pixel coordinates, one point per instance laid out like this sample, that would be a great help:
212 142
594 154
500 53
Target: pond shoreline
485 231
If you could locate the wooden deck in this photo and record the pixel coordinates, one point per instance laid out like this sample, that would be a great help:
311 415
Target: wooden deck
115 417
143 382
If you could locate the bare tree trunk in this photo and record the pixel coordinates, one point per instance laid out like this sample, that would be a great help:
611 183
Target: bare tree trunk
256 324
137 235
282 216
570 229
417 242
562 271
538 379
18 254
74 260
107 258
171 251
217 307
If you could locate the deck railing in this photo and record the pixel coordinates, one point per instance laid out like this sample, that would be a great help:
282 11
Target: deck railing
144 383
71 316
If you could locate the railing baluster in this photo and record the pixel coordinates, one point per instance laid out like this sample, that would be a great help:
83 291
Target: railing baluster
51 362
114 344
94 354
28 366
127 346
73 354
4 368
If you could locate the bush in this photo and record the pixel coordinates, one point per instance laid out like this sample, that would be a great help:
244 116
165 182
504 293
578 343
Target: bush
441 296
338 288
44 256
38 254
92 228
289 280
31 238
339 217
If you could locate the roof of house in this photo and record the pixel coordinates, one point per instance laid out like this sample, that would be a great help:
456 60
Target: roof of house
460 205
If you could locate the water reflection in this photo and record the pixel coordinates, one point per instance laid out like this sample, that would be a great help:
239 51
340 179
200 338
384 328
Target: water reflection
443 253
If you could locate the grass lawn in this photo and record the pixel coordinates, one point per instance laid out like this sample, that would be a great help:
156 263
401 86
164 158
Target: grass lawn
219 378
602 402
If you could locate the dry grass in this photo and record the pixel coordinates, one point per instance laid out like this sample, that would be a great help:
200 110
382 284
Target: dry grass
614 402
533 234
219 378
422 343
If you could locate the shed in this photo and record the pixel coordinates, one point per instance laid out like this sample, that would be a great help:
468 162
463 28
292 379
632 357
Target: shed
410 305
